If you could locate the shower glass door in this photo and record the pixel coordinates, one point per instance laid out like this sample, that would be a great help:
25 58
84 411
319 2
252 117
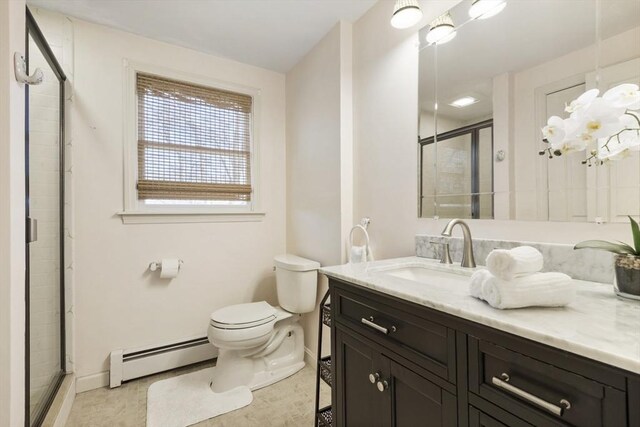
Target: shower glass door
45 217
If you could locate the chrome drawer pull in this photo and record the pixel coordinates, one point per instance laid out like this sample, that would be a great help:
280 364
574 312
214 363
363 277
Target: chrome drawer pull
554 409
375 326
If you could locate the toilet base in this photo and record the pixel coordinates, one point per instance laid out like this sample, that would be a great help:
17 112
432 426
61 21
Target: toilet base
280 358
267 378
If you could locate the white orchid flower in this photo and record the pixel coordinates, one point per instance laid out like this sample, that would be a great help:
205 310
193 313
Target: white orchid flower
582 101
622 143
571 141
608 126
600 119
565 135
554 131
574 145
626 95
618 148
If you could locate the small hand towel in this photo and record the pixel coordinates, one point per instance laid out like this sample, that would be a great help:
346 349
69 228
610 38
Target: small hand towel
477 280
538 289
509 264
357 254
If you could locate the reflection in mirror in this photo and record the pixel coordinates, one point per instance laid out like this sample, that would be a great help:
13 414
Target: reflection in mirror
463 184
492 87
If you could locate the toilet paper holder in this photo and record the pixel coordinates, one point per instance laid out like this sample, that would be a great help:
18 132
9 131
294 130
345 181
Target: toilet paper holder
155 265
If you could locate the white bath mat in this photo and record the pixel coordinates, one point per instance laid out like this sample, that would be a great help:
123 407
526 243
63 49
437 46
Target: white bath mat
187 399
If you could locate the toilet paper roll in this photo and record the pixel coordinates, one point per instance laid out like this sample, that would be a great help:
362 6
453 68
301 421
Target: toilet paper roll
169 268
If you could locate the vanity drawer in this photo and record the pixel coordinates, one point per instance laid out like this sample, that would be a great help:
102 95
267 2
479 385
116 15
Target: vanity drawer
540 393
478 418
419 340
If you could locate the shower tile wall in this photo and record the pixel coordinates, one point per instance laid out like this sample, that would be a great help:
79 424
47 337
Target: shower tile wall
44 257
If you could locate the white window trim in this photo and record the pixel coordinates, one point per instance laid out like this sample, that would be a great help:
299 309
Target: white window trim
136 211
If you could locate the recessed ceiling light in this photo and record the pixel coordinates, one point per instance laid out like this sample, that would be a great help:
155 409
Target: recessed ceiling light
465 101
483 9
406 13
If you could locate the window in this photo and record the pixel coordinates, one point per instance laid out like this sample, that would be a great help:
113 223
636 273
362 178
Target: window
193 144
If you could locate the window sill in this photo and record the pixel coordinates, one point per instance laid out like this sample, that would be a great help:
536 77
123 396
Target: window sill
184 217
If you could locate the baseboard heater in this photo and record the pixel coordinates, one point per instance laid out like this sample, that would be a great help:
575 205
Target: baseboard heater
129 364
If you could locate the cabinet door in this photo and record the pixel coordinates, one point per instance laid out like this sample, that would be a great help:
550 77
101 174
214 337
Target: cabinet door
417 402
359 403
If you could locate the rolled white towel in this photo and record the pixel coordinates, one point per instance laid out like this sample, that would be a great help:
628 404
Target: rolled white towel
538 289
516 262
477 280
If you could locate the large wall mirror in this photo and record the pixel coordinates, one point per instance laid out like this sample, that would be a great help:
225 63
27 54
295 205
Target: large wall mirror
487 90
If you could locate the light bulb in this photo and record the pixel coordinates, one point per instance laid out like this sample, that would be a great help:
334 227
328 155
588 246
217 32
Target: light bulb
441 30
483 9
406 13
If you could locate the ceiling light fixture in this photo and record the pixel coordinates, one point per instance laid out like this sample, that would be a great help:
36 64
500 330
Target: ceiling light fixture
406 13
441 30
465 101
483 9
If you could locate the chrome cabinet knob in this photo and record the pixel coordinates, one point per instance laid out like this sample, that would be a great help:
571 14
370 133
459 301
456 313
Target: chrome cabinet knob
374 377
382 385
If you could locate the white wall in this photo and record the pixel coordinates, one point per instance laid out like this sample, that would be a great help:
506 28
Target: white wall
118 303
319 157
12 203
385 126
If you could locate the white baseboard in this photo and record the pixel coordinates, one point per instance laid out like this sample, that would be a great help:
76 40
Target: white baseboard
310 357
101 379
92 382
125 365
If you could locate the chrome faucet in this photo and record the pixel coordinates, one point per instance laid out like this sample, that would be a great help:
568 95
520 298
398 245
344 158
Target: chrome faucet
467 253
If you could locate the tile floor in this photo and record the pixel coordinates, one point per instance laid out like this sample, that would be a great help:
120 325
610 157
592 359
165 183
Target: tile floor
289 403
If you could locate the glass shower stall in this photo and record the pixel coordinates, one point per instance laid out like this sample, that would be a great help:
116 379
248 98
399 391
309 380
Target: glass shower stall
44 180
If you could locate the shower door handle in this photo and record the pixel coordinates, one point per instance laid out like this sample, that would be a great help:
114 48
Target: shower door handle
32 230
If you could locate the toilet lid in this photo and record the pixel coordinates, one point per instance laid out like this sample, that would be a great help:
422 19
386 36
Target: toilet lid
243 315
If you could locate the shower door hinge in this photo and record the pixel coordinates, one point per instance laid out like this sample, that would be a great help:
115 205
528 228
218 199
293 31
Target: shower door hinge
32 230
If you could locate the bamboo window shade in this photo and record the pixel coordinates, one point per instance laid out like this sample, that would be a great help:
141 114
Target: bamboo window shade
194 142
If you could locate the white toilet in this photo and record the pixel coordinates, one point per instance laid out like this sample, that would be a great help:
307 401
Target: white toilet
260 344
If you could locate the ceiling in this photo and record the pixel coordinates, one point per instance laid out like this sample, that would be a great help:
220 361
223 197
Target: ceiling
273 34
525 34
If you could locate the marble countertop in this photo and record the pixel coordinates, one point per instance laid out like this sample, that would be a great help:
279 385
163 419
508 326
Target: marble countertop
597 325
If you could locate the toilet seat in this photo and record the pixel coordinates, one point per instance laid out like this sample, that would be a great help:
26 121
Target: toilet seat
243 316
242 325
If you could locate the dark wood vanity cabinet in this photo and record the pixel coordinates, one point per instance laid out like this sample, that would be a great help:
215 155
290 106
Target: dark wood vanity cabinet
400 364
375 390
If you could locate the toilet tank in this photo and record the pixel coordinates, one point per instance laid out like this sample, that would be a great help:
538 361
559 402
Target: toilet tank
296 282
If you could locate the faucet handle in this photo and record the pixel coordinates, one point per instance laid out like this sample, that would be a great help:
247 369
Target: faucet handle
445 258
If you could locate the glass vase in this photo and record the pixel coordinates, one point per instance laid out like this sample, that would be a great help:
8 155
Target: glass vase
627 276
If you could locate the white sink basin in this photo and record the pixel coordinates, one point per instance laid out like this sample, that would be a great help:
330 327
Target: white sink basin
430 274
